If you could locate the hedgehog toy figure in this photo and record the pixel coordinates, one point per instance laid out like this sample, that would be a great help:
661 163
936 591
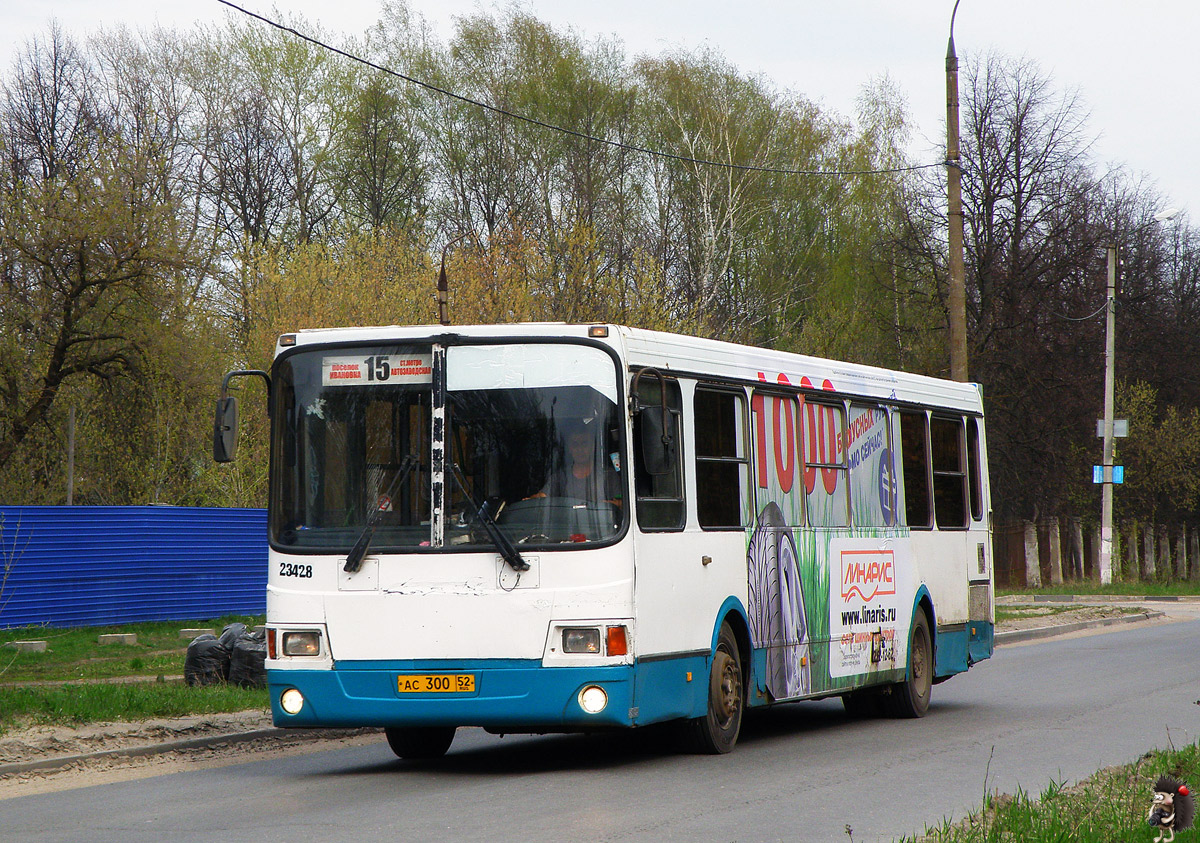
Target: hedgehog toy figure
1172 808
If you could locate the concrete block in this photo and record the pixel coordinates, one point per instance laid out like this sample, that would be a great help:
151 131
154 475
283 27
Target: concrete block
27 646
192 633
118 638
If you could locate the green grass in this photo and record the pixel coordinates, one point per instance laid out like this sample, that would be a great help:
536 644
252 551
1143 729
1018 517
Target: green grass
1110 805
75 653
77 705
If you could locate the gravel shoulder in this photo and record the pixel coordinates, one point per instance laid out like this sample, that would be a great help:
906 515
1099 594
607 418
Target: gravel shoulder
115 752
41 742
52 758
1039 615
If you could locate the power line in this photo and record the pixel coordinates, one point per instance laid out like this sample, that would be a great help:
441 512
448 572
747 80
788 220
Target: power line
1090 316
581 135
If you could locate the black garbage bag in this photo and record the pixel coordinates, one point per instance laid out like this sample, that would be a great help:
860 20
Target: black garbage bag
246 660
207 661
232 633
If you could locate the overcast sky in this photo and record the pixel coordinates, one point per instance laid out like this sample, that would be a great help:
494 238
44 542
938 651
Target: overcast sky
1136 65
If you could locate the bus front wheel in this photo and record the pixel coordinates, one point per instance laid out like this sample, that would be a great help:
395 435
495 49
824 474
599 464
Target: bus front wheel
717 731
420 743
910 698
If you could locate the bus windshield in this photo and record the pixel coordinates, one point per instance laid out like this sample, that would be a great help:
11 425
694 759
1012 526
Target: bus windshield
530 432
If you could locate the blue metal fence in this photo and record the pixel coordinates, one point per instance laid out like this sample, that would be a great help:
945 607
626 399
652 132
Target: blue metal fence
100 565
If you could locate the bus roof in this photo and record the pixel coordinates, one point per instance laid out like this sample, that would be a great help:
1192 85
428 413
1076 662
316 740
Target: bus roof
687 356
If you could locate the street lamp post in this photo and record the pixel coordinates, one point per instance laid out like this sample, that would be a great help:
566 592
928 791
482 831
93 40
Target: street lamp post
954 218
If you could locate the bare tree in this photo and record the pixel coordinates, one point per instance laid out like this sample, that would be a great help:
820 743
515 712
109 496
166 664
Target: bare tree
248 171
1034 236
49 111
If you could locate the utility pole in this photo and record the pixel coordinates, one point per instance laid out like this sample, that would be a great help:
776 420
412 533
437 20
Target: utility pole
954 217
1106 478
1110 376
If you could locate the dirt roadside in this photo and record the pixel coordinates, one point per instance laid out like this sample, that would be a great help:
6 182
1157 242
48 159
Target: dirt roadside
115 752
100 754
1037 616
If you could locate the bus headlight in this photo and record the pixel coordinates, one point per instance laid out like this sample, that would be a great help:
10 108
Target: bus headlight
291 701
581 640
592 699
302 643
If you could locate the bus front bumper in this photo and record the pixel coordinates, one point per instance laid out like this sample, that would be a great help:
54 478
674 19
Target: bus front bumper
511 695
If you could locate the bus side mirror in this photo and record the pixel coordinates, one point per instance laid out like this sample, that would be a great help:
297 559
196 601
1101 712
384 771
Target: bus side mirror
225 429
225 425
658 443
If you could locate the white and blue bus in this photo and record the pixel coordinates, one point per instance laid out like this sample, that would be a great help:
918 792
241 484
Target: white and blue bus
551 528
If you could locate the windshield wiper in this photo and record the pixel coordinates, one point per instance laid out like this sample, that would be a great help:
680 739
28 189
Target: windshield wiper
355 557
502 543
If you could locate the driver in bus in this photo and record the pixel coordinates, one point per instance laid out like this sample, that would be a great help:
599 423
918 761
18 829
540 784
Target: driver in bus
585 473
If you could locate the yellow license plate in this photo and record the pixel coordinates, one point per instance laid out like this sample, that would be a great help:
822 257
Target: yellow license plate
436 683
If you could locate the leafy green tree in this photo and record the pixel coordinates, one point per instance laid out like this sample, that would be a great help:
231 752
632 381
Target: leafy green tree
1161 456
854 305
297 80
376 166
708 112
79 258
94 243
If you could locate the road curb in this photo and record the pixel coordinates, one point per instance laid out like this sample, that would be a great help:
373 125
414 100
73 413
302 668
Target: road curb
59 762
1016 636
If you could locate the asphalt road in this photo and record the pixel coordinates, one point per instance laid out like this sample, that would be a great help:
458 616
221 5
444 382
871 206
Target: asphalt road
1046 711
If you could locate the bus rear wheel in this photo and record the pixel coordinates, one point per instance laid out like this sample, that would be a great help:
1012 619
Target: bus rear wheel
910 698
420 743
717 731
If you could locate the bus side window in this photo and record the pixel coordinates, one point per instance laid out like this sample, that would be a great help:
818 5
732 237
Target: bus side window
827 488
870 458
776 436
973 463
914 454
949 473
660 502
721 463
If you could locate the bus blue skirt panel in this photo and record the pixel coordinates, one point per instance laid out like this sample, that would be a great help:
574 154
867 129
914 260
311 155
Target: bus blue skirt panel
959 646
500 694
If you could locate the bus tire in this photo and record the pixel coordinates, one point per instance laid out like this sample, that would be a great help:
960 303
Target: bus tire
420 742
717 731
910 698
